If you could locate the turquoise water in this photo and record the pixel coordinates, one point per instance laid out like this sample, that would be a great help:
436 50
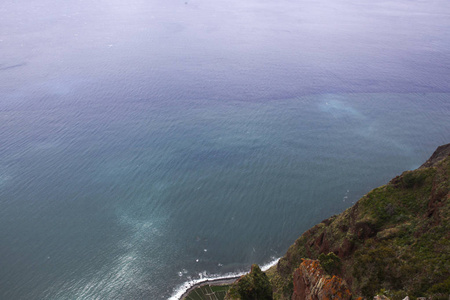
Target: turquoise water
150 144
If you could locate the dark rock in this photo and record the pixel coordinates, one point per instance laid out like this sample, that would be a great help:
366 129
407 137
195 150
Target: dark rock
441 153
346 249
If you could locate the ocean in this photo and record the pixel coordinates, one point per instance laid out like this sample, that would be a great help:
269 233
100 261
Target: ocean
145 145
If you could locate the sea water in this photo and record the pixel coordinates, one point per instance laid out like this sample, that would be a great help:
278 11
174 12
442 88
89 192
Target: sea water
146 145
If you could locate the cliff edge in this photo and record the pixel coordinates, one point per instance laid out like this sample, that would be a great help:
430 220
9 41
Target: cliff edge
441 153
394 241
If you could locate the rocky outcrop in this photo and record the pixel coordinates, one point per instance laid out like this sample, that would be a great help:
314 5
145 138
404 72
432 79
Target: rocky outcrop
441 153
312 283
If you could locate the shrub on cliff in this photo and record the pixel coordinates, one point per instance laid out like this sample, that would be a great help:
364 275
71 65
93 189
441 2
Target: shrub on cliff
253 286
331 263
441 290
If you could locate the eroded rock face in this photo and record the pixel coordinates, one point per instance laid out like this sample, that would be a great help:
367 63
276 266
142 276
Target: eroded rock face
312 283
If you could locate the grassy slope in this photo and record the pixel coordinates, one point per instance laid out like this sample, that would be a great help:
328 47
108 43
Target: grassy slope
395 239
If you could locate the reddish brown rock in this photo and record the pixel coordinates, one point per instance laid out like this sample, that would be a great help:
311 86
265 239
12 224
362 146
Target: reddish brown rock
312 283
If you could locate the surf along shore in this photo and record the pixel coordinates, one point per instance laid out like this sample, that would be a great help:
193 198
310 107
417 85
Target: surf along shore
183 291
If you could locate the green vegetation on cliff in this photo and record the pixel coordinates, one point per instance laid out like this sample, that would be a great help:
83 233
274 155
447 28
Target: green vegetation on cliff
394 240
253 286
331 263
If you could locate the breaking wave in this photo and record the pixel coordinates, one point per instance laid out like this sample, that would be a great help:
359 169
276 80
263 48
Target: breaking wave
183 288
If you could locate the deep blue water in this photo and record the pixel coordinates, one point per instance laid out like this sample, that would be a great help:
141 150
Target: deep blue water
144 144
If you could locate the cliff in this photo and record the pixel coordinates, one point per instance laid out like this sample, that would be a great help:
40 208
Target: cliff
441 153
253 286
394 242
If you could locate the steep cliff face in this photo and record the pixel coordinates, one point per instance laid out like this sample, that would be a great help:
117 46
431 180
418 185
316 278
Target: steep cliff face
395 239
441 153
312 283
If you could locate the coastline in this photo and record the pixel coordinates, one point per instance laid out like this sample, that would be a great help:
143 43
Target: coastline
183 290
219 281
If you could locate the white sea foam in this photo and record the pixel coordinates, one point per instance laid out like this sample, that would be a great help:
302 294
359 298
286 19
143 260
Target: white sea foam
270 264
179 291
